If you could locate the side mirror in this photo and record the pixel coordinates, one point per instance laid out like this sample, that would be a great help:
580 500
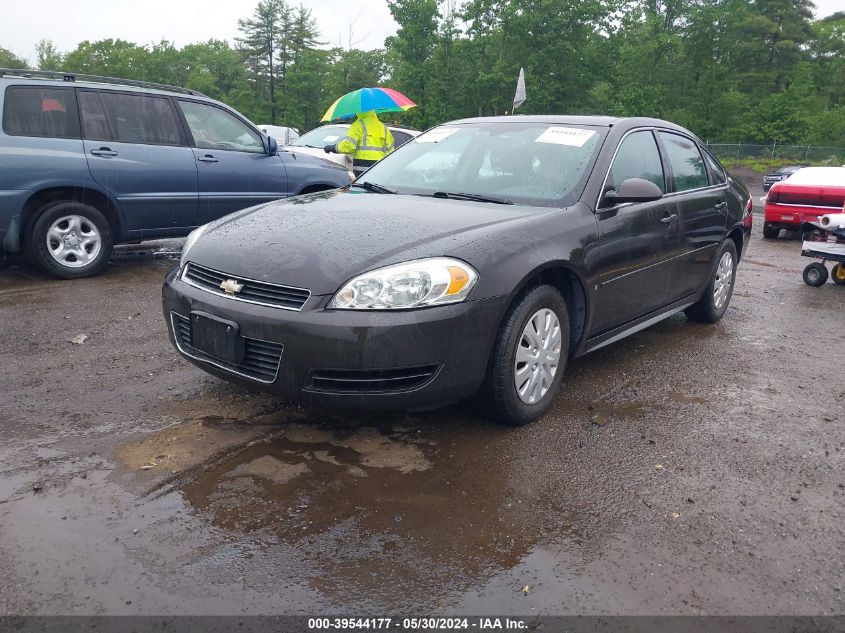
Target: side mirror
272 146
633 190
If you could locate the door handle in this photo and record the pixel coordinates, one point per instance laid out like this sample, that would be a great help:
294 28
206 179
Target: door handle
208 158
104 151
721 206
667 220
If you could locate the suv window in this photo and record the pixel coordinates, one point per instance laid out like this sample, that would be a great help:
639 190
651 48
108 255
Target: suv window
637 157
717 174
214 128
686 162
140 118
95 126
400 138
35 111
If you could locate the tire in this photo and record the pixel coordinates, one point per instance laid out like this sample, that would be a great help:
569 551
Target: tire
499 397
770 232
87 240
838 274
815 275
717 295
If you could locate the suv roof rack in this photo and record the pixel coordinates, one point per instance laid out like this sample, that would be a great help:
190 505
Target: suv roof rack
73 77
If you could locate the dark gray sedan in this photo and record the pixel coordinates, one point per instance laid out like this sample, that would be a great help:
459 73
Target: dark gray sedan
474 261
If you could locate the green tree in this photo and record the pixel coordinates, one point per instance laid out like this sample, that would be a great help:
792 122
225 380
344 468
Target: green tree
260 44
9 60
47 56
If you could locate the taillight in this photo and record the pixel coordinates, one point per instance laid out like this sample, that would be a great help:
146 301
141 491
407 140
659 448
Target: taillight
773 195
748 218
749 206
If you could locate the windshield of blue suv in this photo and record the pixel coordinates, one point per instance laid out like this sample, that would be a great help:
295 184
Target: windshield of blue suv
539 164
322 136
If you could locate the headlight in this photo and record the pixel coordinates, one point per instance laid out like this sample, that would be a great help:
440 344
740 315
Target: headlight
414 284
192 238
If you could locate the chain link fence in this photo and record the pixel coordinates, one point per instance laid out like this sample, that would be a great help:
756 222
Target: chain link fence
796 153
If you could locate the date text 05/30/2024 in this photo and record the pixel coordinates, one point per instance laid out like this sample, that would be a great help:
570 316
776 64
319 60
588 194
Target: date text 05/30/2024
417 624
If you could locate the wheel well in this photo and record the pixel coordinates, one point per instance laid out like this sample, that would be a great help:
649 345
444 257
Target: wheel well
572 290
736 236
74 194
315 189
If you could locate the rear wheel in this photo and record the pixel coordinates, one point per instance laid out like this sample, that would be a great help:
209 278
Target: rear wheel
770 232
70 240
815 275
714 302
528 359
838 274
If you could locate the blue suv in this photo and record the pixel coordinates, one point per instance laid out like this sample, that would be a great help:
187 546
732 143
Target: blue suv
87 162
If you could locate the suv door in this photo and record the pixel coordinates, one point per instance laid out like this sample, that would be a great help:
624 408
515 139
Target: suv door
635 240
702 207
235 170
136 150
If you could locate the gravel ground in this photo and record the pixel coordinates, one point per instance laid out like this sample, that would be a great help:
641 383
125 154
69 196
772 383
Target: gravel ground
688 469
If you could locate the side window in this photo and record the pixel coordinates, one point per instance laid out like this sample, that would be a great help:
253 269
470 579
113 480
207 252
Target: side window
686 162
95 126
45 112
214 128
141 118
400 138
637 157
717 174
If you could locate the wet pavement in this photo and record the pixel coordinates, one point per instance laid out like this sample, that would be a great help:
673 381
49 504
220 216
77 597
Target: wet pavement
688 469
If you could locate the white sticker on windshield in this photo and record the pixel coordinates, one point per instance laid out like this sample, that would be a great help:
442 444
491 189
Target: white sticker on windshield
576 137
436 135
329 139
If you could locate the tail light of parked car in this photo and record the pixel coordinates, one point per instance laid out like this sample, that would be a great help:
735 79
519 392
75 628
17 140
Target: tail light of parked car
748 218
774 195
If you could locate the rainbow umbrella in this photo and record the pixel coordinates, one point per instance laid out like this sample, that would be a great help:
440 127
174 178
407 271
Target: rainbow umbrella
366 99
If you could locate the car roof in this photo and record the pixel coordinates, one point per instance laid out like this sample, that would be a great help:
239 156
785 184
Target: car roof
565 119
150 88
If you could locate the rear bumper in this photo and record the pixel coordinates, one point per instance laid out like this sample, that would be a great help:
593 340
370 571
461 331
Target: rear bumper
796 216
453 340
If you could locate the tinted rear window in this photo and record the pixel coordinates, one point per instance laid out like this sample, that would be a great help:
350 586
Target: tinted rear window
141 119
36 111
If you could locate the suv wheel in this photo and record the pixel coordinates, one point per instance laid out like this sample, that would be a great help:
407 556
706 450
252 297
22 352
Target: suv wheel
528 358
71 240
714 302
770 232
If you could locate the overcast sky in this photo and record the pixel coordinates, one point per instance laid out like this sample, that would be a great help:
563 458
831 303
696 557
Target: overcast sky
68 22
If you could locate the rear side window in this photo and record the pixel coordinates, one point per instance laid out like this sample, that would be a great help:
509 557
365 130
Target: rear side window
686 162
637 157
95 126
141 119
717 174
400 138
36 111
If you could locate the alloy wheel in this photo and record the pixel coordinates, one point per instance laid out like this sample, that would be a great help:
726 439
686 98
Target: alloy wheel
537 356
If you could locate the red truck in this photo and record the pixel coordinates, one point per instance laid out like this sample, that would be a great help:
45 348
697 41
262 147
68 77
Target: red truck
802 197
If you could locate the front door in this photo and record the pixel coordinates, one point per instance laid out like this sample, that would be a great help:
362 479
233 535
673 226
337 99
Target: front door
136 151
233 166
636 240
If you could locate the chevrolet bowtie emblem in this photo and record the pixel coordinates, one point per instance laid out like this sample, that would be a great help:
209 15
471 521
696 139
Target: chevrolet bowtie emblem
231 287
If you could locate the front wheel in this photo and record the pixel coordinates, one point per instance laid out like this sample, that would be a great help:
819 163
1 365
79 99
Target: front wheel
71 240
815 275
717 295
528 358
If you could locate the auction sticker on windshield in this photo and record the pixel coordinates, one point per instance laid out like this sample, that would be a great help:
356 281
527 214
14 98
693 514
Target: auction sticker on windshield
436 135
576 137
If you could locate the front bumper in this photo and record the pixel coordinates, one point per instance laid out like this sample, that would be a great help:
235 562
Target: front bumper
453 340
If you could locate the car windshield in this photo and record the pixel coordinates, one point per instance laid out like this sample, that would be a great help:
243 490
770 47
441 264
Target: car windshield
522 162
322 136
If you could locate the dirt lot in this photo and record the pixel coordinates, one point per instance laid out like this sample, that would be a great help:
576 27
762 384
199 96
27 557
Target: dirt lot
689 470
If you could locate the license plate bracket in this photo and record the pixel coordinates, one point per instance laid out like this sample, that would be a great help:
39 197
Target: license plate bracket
217 337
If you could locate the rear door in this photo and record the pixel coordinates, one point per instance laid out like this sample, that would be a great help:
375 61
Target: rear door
136 149
234 169
635 239
702 208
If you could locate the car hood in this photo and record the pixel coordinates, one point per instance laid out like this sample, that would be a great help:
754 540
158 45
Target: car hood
314 152
322 240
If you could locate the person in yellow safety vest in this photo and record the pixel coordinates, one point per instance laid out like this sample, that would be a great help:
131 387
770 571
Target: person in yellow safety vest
368 140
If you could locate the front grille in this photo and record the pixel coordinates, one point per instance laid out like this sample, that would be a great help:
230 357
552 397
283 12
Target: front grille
261 358
372 380
260 292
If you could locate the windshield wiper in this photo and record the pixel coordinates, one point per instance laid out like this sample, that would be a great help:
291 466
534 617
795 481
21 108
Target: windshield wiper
471 196
371 186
